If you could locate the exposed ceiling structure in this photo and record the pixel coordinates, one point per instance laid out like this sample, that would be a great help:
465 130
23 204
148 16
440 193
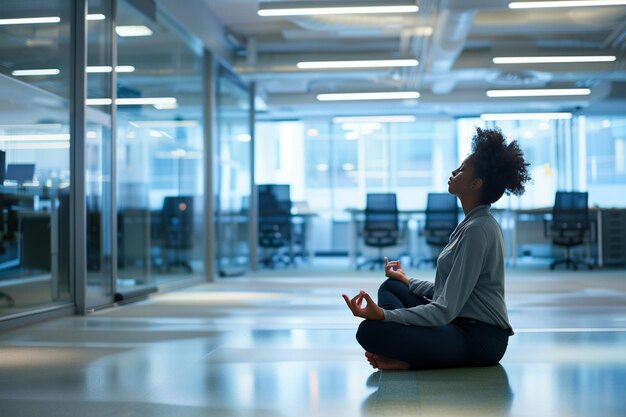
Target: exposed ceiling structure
455 43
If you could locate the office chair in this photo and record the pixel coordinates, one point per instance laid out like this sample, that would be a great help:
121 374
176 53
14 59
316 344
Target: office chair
274 227
442 217
570 223
178 231
381 225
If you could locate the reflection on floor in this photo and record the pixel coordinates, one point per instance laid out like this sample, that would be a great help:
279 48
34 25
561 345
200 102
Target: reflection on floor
281 343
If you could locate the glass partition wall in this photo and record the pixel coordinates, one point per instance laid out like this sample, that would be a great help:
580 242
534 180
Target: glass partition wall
142 150
98 155
233 174
159 151
35 140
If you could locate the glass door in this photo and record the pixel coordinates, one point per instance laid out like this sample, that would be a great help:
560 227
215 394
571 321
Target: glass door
234 175
98 160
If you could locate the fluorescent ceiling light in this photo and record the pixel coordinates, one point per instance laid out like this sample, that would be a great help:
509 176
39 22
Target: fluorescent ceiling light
315 8
166 106
40 145
35 138
108 68
96 16
30 20
131 31
164 123
98 101
552 59
525 116
391 95
28 72
145 101
378 119
380 63
140 101
540 92
575 3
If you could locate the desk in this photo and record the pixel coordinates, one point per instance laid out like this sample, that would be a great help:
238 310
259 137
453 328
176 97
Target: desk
510 221
233 227
357 217
30 232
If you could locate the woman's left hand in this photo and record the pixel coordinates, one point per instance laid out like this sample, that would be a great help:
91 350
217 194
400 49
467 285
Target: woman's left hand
371 311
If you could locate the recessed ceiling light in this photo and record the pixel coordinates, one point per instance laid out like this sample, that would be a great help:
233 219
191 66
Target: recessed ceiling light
30 20
133 31
315 8
164 123
108 68
379 63
540 92
139 101
552 59
378 119
390 95
145 101
574 3
98 101
526 116
96 16
165 106
29 72
35 138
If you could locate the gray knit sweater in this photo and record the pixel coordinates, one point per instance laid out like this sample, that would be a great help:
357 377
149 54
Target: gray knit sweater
469 280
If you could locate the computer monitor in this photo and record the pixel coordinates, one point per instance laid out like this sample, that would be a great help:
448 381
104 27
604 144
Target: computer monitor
20 173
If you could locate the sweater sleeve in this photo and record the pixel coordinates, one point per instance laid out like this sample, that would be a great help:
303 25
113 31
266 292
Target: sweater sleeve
423 288
467 264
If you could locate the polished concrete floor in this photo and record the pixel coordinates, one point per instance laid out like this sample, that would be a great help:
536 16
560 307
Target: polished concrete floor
281 343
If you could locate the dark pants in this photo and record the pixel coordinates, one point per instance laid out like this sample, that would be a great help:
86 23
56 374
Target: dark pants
464 342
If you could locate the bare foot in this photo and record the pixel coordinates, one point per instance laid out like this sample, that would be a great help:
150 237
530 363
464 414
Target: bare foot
381 362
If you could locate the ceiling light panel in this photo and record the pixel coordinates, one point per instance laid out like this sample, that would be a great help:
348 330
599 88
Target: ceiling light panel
526 116
575 3
107 68
133 31
315 8
377 119
552 59
30 20
31 72
391 95
540 92
379 63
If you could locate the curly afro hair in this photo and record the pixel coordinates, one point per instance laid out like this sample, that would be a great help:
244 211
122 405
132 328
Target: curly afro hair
502 167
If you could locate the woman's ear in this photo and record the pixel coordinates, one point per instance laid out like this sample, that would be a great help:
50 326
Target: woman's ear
477 184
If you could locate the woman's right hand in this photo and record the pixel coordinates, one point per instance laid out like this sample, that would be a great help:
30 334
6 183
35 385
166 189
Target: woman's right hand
393 270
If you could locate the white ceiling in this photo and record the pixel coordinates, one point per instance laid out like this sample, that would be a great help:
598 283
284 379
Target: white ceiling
455 68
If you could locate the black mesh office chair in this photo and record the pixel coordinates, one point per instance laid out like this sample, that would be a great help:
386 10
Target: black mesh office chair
275 223
381 225
442 217
569 225
178 231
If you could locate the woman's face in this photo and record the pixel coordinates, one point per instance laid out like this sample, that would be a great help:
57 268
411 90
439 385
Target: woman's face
462 179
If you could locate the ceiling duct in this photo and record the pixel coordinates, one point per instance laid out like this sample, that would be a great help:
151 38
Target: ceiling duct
447 43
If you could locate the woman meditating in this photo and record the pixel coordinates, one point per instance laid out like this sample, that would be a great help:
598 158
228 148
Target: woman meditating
460 319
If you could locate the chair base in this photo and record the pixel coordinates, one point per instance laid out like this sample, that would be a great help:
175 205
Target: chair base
270 261
570 262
